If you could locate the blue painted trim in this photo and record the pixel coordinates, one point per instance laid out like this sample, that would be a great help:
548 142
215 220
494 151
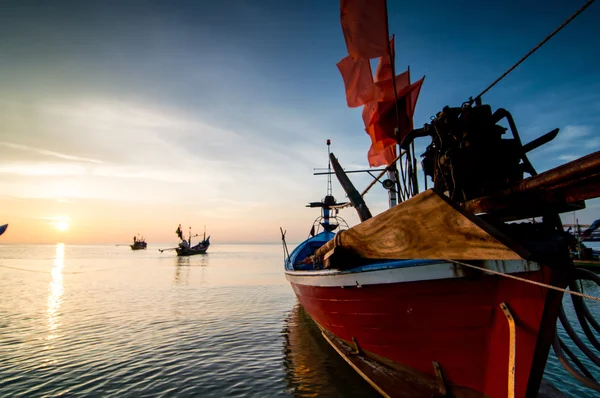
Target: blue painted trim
309 246
391 264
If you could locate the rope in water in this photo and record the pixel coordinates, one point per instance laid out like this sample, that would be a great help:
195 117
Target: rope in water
587 296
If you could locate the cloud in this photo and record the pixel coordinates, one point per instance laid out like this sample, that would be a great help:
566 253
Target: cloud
593 144
42 169
572 142
130 151
48 153
567 158
53 218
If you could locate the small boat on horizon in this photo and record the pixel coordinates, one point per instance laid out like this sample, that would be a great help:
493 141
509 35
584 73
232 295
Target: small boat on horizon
185 246
139 243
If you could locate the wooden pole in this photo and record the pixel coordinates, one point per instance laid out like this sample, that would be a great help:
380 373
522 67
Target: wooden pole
567 174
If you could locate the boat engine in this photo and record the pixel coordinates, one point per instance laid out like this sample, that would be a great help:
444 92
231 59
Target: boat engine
468 156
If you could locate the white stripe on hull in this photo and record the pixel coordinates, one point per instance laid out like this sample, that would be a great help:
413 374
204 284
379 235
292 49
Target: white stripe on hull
441 270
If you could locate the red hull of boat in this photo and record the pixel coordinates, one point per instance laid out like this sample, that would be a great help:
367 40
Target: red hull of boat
456 322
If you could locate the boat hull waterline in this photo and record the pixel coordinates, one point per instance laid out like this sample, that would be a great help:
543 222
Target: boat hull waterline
408 314
190 252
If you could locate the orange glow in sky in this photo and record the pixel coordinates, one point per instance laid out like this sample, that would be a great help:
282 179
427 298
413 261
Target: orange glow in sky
115 122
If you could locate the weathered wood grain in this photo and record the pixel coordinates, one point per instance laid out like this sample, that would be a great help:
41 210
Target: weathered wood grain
522 201
427 226
522 205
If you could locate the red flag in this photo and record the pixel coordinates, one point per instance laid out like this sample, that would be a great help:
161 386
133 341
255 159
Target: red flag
385 95
413 96
358 80
381 156
382 120
384 67
381 135
364 23
384 90
386 117
369 112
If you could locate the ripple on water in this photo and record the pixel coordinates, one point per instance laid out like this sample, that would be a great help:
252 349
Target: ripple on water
138 324
149 325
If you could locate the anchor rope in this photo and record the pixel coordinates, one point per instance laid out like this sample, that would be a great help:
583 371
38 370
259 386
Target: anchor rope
587 296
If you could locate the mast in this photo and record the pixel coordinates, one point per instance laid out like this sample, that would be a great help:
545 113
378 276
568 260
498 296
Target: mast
204 232
393 172
329 190
392 200
329 196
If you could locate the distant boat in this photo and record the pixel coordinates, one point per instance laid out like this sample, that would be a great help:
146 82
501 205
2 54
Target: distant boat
591 234
3 228
139 243
185 246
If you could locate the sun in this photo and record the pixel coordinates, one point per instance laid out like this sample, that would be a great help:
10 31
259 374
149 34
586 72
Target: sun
61 225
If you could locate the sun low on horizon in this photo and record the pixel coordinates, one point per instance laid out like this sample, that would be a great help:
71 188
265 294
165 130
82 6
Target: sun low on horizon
62 225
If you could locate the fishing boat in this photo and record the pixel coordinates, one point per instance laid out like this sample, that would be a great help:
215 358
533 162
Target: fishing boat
185 246
3 228
579 251
591 233
139 243
452 291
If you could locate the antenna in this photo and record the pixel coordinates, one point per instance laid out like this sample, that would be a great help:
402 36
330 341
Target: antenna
329 190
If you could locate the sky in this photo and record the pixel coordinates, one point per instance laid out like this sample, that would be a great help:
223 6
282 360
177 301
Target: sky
126 117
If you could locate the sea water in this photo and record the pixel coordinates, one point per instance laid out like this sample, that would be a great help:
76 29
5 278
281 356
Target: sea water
109 321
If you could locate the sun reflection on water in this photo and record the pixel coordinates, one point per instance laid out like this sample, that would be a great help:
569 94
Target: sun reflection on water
55 291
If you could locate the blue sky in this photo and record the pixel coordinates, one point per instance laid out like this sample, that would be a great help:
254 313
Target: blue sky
217 112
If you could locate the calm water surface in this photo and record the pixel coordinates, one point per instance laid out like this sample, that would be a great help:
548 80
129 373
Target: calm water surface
108 321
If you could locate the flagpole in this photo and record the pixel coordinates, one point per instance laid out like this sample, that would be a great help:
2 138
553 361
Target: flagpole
397 132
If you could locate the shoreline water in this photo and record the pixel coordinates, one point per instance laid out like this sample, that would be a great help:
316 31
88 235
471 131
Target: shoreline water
106 320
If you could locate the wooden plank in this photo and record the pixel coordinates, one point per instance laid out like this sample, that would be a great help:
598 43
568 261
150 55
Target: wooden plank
427 226
566 174
521 205
559 190
584 190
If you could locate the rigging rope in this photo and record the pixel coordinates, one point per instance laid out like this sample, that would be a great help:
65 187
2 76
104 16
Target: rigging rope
527 281
586 5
